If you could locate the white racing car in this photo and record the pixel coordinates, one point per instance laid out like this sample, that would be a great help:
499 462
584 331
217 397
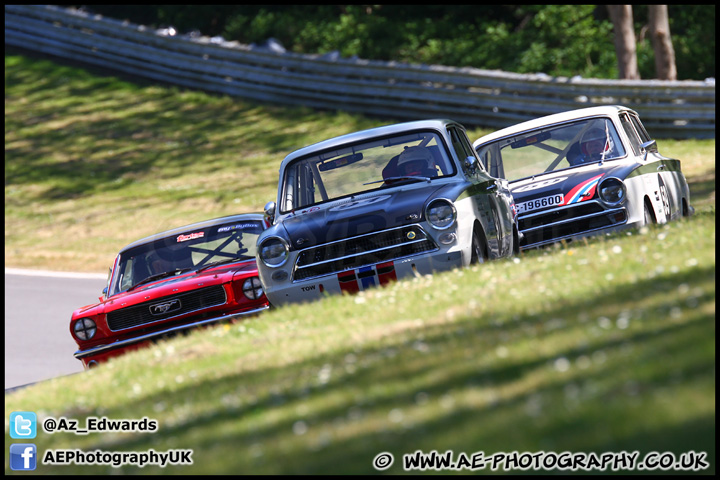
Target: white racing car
585 172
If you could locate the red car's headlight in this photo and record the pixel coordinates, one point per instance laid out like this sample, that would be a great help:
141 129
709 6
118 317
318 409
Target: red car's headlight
84 329
252 288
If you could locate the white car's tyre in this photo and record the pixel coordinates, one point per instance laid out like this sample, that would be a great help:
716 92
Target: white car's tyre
479 252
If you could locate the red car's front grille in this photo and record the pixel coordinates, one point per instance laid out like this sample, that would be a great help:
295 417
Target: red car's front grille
166 307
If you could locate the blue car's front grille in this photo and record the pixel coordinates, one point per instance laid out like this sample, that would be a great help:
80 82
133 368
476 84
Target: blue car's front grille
362 250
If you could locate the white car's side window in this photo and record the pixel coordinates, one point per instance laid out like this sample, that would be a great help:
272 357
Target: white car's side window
644 135
631 133
635 131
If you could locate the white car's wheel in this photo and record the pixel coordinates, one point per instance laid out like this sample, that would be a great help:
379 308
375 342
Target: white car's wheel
479 254
649 217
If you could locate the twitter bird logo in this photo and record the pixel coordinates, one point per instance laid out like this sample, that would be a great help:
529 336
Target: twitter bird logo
23 425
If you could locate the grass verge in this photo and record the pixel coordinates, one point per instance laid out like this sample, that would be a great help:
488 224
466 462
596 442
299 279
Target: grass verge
602 346
94 162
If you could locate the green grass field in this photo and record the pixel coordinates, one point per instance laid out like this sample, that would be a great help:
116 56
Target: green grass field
601 346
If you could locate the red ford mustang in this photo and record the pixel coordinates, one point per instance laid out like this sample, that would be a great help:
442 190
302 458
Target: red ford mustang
172 282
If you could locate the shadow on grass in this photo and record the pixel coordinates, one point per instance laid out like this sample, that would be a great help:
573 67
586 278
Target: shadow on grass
615 404
702 188
113 129
82 128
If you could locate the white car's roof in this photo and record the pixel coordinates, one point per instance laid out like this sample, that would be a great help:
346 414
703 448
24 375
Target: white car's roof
605 110
434 124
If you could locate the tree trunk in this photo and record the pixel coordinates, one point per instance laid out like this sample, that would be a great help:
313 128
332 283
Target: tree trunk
625 47
665 68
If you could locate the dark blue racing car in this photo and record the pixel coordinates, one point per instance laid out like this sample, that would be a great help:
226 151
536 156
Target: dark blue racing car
375 206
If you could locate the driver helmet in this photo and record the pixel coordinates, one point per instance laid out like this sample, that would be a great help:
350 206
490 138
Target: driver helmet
172 254
158 264
417 161
594 142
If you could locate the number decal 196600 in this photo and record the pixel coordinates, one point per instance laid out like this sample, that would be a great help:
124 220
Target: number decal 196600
551 201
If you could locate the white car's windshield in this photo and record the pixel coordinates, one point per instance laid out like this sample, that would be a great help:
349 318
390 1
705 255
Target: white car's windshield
358 168
185 251
552 148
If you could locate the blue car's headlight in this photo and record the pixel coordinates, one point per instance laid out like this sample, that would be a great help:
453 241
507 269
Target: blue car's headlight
273 251
441 213
612 191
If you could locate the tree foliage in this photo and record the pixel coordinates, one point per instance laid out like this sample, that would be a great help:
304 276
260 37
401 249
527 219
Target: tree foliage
559 40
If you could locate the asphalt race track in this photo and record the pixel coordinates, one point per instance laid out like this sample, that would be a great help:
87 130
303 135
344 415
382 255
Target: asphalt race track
38 306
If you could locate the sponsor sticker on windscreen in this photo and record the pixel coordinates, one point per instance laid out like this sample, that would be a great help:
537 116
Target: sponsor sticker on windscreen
190 236
253 227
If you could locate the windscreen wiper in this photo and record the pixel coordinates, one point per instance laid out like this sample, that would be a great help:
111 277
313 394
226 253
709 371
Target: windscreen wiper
404 177
158 276
221 262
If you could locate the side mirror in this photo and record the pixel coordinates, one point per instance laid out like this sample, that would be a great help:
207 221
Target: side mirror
270 212
649 146
107 286
470 164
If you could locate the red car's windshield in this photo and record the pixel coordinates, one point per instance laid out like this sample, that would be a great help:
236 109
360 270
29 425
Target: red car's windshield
185 251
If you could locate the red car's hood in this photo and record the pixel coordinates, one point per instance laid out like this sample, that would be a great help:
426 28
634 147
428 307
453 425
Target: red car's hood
171 285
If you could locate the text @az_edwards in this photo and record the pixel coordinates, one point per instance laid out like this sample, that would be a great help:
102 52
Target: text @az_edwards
98 425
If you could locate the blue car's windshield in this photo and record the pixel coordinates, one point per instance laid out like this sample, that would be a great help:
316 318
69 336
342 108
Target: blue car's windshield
360 167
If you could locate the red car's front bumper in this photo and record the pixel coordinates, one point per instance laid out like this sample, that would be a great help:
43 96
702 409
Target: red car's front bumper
95 355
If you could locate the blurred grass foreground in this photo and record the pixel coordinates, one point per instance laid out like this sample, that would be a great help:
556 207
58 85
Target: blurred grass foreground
600 346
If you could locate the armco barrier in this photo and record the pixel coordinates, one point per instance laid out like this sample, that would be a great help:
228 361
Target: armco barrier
475 97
